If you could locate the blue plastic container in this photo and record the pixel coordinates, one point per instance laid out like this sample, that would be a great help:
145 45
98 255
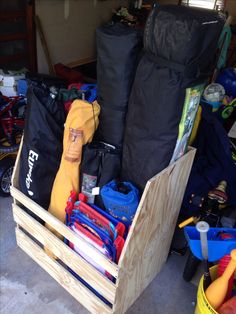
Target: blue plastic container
217 248
22 87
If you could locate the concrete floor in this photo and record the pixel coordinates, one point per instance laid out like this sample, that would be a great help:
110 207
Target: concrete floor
27 289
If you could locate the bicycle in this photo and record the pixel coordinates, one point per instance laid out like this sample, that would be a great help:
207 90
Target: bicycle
12 111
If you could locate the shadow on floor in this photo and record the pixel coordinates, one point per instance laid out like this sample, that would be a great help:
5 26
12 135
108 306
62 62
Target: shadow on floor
28 289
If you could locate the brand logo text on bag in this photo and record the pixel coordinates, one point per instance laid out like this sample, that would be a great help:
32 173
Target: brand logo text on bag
31 160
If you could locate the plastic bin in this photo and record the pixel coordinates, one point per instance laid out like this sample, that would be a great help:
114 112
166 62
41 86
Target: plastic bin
203 307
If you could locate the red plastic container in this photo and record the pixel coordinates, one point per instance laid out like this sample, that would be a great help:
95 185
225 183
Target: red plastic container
224 261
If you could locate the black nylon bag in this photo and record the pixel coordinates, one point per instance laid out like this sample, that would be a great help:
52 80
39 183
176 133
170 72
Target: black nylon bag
101 161
179 47
42 145
118 50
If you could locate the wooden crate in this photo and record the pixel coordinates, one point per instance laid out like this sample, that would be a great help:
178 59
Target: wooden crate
145 251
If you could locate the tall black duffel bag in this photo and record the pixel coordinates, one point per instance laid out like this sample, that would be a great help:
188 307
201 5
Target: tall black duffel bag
118 50
42 144
180 43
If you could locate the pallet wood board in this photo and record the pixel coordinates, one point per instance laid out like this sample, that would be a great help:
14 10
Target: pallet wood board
61 228
69 257
61 275
149 240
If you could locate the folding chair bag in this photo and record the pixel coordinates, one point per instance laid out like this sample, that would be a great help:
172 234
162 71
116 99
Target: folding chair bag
81 123
42 145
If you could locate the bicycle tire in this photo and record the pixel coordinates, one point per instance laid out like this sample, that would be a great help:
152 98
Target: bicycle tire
9 149
6 169
190 268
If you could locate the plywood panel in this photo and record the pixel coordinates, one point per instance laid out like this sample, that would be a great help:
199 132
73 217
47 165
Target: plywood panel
149 240
94 278
61 275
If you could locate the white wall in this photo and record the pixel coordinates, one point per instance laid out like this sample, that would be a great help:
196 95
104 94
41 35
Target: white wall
230 6
69 27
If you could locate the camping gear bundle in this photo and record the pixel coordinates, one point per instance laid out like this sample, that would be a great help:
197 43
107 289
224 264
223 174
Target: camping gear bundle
118 50
106 153
42 144
179 46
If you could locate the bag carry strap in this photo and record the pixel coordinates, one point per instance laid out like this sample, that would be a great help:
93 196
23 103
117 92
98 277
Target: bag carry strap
190 70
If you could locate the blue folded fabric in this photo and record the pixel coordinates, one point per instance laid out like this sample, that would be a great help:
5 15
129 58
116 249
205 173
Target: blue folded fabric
121 200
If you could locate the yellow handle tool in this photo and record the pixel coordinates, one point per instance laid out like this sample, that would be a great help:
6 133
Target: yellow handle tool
187 222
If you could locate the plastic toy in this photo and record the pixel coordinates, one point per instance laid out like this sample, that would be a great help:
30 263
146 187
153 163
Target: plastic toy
227 78
229 307
102 230
217 291
213 95
11 122
90 92
203 227
209 211
217 246
223 263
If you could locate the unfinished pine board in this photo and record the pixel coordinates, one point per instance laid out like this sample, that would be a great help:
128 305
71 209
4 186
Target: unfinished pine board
149 239
16 169
61 228
69 257
61 275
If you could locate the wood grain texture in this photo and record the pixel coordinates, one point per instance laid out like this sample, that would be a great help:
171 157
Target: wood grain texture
146 248
149 239
61 275
16 170
93 277
111 267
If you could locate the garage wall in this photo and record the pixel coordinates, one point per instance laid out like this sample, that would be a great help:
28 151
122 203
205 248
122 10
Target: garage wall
231 8
69 27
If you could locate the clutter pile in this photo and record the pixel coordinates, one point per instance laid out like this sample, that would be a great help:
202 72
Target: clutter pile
12 116
89 149
216 289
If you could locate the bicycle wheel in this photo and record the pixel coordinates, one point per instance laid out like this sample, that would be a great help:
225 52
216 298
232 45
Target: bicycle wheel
6 170
9 149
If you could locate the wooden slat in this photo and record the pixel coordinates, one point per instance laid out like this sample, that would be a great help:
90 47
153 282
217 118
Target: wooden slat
56 224
12 37
44 44
61 275
82 61
87 272
15 174
12 58
148 242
